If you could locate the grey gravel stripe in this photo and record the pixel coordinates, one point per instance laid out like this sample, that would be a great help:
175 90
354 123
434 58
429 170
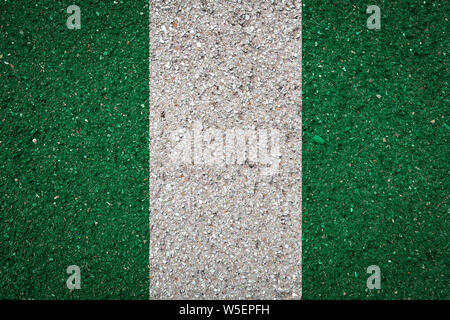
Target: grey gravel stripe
225 149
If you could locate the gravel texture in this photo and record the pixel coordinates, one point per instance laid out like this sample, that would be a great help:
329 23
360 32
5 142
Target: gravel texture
376 190
223 226
73 149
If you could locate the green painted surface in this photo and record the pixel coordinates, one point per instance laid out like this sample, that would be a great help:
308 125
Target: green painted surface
78 193
376 193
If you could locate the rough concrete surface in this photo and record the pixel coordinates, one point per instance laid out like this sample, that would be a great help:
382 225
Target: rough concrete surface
225 149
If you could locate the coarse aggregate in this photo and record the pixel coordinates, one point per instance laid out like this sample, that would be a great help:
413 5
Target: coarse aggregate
74 149
375 150
225 230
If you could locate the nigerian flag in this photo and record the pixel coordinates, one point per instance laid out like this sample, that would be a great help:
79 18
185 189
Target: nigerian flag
224 150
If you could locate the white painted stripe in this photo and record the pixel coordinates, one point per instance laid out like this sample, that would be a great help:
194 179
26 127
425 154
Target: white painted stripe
225 150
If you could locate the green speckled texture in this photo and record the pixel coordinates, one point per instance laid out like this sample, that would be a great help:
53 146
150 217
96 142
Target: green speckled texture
376 192
78 193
